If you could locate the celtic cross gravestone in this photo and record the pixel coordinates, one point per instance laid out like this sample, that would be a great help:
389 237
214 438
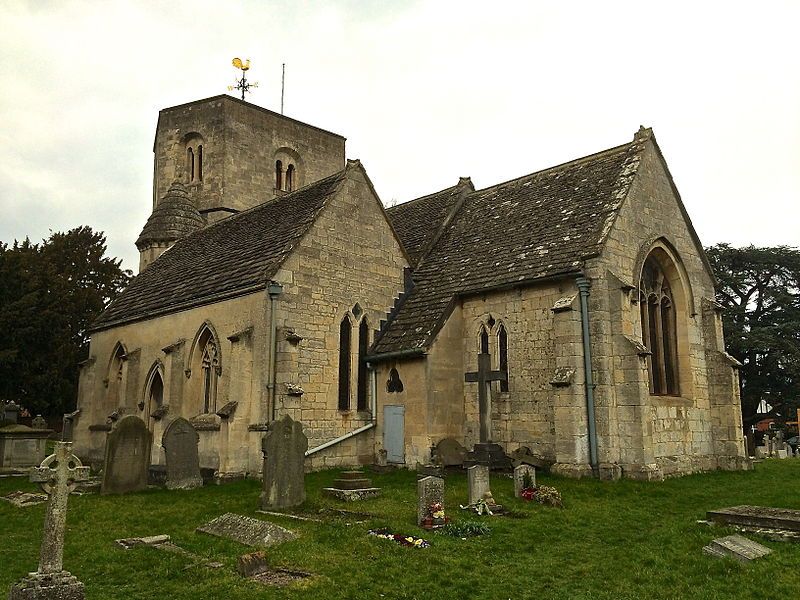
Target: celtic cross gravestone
58 475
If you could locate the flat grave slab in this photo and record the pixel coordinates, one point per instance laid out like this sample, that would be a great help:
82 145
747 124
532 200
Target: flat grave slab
757 516
22 499
736 547
247 530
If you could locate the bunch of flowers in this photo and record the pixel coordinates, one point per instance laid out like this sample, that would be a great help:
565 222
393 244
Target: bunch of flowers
543 494
404 540
437 510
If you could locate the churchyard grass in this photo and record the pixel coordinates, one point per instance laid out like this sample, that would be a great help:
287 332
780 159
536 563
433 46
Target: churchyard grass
615 540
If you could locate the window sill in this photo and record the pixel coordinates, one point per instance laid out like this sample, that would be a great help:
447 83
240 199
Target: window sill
664 400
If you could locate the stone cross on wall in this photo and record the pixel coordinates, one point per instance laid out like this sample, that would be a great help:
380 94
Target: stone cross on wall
483 376
58 475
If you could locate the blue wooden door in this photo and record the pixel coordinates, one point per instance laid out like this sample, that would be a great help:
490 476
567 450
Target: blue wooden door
394 419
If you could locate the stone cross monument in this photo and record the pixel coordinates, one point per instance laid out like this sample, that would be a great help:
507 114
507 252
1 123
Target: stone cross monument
58 475
486 451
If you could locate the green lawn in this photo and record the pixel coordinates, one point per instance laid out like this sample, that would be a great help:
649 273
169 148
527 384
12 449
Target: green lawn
612 540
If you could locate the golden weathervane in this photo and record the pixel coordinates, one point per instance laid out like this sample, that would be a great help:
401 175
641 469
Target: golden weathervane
242 84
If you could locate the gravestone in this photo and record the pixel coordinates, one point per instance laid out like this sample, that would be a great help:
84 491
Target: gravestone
430 490
284 447
450 453
351 486
247 530
736 547
39 422
478 482
22 447
58 475
762 452
519 478
758 517
127 457
183 463
10 413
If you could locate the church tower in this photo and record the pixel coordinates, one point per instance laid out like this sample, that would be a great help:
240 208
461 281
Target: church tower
216 157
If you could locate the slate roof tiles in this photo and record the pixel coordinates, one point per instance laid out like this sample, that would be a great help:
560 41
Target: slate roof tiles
234 256
541 225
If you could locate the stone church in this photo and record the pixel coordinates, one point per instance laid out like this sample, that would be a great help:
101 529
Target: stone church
570 311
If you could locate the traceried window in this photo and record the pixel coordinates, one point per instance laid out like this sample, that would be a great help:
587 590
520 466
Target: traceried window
210 366
657 308
344 363
502 347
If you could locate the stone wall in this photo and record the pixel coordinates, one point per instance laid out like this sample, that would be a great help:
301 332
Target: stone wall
241 142
650 436
349 256
169 340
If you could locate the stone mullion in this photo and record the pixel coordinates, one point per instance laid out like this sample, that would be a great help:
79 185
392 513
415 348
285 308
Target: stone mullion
662 375
645 312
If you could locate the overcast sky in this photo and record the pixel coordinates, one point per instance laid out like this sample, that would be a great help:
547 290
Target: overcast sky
425 92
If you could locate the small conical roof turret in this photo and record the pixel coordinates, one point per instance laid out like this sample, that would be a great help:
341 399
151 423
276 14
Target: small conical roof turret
173 218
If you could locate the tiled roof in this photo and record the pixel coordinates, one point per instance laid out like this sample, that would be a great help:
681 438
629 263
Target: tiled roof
231 257
538 226
174 218
417 222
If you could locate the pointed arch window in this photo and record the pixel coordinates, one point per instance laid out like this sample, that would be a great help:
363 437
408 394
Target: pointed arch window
115 394
484 340
657 311
502 348
154 392
363 345
205 371
344 364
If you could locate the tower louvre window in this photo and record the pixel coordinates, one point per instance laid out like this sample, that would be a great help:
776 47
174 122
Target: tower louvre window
278 175
200 162
290 178
190 164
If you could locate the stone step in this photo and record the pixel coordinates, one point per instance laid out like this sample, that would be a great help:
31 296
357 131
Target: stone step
352 484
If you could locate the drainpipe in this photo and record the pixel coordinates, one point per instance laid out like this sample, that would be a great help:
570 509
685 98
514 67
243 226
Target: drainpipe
274 290
373 374
584 284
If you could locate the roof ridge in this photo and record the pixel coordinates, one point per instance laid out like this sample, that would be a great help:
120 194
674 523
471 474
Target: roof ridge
575 161
407 202
265 203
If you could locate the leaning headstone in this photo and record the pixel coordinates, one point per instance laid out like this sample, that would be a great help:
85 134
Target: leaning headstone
39 422
284 447
183 463
247 530
520 473
450 453
57 475
478 482
127 457
737 547
430 491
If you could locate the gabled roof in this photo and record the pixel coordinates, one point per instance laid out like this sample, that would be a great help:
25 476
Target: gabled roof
235 256
539 226
418 221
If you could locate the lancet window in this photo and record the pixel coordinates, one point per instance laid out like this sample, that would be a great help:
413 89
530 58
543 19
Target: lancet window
344 363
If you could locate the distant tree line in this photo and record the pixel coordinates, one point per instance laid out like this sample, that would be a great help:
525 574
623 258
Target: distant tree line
49 295
760 289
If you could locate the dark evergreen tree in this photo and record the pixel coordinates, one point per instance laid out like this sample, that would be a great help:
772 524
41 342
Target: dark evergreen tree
49 294
760 289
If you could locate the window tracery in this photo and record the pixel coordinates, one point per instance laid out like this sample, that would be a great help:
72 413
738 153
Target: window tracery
659 335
